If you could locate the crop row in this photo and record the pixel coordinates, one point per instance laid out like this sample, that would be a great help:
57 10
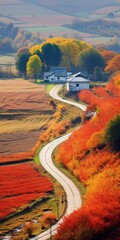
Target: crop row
19 185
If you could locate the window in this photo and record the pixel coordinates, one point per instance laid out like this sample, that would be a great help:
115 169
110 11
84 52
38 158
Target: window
77 85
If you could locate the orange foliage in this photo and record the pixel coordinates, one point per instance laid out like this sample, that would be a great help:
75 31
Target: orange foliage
69 230
48 219
107 55
95 140
87 156
101 92
100 211
113 64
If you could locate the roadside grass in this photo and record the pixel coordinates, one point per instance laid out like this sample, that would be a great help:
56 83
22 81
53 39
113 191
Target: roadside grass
71 96
97 84
69 174
49 87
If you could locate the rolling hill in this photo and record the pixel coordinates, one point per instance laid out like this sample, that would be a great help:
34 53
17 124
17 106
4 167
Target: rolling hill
71 7
57 18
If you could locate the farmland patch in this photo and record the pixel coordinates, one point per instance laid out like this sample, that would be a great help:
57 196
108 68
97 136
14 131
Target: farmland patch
25 113
21 185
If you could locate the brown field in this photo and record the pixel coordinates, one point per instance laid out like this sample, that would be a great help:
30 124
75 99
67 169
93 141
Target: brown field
40 21
24 114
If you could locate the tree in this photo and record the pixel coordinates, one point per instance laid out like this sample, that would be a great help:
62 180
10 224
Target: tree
113 64
21 63
6 45
107 54
98 74
51 54
112 133
22 50
56 55
89 59
34 66
49 219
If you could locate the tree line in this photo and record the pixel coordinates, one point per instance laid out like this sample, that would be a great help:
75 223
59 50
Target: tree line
98 26
73 54
12 38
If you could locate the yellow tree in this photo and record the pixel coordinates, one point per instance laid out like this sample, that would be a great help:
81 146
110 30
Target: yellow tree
34 66
71 50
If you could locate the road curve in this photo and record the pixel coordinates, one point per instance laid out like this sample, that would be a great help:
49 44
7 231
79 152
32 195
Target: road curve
72 193
54 93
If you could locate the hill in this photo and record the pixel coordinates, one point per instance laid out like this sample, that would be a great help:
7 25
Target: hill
72 7
52 18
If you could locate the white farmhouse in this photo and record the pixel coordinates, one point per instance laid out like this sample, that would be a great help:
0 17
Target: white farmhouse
56 74
77 82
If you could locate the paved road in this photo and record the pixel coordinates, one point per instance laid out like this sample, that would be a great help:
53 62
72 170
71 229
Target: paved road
73 195
54 94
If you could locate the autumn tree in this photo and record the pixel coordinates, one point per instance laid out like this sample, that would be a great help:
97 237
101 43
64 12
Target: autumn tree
34 66
48 220
107 54
51 55
113 64
22 59
89 59
112 133
67 50
22 50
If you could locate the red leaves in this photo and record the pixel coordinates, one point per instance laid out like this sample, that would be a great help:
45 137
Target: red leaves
86 155
19 186
99 212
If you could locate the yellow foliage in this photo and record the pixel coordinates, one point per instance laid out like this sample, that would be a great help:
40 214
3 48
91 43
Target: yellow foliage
95 140
34 48
70 49
117 80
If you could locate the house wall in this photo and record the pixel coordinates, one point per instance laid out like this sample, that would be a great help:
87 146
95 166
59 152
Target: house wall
72 86
57 79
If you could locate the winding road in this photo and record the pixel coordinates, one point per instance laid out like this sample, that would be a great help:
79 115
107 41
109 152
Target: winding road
72 193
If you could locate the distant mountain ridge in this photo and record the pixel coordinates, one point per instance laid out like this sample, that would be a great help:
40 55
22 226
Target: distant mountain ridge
71 7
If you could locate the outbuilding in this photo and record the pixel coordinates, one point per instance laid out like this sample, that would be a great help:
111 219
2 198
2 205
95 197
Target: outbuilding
56 75
77 82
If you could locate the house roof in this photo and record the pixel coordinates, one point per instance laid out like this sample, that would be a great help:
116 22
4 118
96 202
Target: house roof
47 74
78 78
59 71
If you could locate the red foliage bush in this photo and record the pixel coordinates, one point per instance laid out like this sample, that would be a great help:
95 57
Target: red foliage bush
99 213
89 158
